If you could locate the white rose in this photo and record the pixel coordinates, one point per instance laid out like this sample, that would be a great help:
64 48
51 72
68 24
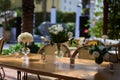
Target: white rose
60 28
25 37
70 34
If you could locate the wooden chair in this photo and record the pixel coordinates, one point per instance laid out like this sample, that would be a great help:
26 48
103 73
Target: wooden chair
77 42
114 53
2 72
82 53
49 50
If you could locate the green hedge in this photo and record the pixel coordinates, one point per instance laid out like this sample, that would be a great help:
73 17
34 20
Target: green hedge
61 17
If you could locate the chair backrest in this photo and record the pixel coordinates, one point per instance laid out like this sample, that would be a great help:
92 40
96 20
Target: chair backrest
50 49
77 42
2 40
82 53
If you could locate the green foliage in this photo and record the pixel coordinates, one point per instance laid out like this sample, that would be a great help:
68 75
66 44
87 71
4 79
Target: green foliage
5 5
12 23
113 19
71 27
73 43
98 51
61 17
97 29
34 47
39 18
65 17
19 12
100 48
12 49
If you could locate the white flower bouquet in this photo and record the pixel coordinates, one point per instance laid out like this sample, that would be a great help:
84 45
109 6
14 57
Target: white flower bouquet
25 37
58 34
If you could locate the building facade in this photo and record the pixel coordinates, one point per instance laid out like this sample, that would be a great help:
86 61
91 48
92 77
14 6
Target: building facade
69 5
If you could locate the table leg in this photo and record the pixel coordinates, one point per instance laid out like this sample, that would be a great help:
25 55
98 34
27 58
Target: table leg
25 76
2 74
18 75
38 77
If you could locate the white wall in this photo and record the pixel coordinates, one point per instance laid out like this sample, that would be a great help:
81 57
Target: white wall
68 5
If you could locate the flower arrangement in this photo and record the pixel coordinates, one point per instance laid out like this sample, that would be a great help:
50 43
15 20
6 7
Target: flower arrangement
58 34
25 37
98 51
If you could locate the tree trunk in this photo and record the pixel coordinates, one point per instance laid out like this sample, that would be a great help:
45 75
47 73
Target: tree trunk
86 6
44 7
27 15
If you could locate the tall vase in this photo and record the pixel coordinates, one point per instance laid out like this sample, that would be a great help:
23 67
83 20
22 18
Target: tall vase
99 61
25 51
58 53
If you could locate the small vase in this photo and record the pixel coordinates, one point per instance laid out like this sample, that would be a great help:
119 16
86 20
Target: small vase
58 53
25 51
99 61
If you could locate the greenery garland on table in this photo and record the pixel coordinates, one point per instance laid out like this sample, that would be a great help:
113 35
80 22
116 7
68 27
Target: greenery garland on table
34 47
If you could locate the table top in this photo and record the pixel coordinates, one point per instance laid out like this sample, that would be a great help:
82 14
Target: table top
83 69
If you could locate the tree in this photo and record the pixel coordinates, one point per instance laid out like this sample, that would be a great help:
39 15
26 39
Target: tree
27 15
4 7
44 7
113 19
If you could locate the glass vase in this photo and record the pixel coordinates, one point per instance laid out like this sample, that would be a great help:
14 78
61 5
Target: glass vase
99 61
25 51
58 53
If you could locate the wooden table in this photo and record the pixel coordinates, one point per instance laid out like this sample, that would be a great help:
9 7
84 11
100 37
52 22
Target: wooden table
82 70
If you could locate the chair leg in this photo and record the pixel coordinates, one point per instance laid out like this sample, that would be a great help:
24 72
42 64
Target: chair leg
18 75
2 74
39 77
25 76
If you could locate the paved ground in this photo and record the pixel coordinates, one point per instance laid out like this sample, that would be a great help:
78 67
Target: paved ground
10 74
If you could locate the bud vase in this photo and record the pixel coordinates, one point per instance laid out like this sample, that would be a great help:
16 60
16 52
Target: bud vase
25 51
99 61
58 53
